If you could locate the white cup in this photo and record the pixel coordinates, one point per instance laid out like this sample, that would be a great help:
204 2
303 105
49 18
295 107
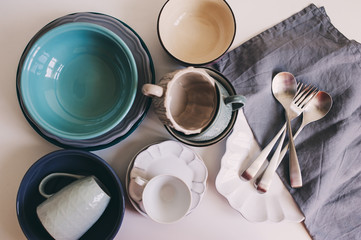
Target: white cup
70 212
166 198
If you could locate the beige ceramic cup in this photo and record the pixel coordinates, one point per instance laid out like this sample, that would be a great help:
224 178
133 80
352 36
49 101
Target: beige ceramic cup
70 212
189 100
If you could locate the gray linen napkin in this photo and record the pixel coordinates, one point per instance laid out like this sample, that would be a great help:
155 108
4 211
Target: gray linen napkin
329 150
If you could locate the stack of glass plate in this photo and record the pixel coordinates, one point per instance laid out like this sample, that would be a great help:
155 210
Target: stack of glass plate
145 75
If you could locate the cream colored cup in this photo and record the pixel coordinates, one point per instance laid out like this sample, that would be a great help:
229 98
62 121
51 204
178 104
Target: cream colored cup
166 198
189 100
70 212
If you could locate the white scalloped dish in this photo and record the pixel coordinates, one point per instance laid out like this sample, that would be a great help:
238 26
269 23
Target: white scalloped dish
274 206
168 157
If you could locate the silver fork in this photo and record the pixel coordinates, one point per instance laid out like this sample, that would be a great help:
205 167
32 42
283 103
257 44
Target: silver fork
303 96
252 170
297 107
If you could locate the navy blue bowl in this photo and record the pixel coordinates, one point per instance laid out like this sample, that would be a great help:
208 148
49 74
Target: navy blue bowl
76 162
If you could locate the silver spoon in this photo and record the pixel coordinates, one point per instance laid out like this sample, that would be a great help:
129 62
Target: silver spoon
284 88
317 108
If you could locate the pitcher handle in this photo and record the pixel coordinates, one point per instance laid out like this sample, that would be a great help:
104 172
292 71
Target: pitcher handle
51 176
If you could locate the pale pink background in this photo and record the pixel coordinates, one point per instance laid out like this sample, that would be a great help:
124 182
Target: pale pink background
21 146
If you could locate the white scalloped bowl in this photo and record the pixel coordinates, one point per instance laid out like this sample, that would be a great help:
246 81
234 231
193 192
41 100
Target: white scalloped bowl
276 205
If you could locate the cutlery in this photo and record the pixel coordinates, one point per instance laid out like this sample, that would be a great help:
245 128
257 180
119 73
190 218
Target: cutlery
308 92
301 101
303 92
318 107
284 88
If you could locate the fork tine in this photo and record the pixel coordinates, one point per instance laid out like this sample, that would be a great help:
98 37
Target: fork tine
308 99
299 88
304 94
304 100
302 91
298 92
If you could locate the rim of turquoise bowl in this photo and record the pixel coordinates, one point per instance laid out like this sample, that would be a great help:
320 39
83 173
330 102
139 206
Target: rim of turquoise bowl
133 85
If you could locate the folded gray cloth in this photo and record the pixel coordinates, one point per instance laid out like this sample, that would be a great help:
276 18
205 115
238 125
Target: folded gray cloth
329 150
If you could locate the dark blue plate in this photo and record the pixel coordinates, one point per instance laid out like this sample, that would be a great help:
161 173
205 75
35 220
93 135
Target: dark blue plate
76 162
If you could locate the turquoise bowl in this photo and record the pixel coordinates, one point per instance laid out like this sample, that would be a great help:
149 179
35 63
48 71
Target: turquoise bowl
78 81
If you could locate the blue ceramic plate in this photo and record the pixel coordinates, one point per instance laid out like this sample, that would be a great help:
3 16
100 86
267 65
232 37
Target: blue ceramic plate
145 75
78 81
197 141
76 162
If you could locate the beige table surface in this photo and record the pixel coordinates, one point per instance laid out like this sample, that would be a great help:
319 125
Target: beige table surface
21 146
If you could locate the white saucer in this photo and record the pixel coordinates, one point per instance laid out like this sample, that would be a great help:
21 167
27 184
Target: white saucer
168 157
274 206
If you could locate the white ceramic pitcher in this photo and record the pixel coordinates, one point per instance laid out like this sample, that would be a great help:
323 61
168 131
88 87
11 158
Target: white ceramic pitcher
70 212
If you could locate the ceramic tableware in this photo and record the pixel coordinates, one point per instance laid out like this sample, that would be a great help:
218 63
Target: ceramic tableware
189 100
145 73
277 205
229 117
76 88
185 99
70 212
77 162
167 158
196 32
166 198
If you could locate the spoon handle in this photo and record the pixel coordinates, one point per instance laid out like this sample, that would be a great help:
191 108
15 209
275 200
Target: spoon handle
267 176
252 170
284 150
294 168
